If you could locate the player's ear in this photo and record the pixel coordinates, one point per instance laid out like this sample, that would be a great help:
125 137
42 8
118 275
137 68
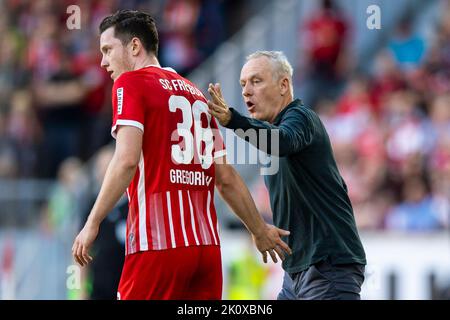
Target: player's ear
136 46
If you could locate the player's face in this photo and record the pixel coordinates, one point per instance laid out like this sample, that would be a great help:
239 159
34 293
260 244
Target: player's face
115 57
261 89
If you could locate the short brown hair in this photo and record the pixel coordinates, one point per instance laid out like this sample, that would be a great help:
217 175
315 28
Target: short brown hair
129 24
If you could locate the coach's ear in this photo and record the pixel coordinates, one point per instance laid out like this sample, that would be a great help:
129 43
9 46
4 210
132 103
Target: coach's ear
284 85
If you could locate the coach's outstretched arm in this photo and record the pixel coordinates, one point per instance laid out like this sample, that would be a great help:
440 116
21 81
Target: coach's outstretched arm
118 176
233 190
293 135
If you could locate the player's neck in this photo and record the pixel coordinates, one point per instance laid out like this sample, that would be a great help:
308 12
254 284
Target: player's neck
147 61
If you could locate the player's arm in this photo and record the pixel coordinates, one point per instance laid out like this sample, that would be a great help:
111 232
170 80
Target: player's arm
294 134
118 176
233 190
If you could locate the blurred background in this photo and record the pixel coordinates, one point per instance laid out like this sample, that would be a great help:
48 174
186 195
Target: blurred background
383 95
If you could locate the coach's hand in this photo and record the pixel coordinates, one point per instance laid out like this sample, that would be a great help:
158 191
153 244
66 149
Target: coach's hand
270 241
83 242
217 107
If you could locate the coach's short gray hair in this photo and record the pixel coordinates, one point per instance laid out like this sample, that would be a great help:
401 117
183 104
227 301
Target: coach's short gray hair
281 64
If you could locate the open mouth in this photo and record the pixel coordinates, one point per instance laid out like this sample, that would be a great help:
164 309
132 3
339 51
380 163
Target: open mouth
250 106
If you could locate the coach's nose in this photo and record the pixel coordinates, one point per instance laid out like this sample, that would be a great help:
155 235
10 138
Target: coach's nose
246 90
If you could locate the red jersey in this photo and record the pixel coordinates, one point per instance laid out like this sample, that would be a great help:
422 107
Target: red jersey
171 195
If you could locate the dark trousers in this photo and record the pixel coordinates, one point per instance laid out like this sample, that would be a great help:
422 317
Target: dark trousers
324 281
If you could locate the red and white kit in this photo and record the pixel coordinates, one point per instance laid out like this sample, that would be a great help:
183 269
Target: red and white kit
171 196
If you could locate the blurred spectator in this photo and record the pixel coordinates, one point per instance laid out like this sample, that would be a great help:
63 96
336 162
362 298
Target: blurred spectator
438 124
325 39
386 79
415 212
62 209
406 129
24 131
95 106
210 28
407 48
59 103
180 51
8 160
440 188
61 214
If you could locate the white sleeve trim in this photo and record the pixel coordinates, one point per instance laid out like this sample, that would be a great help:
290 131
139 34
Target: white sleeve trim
220 153
130 123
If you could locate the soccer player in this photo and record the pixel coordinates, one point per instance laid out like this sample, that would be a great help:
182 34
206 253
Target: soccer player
308 195
170 156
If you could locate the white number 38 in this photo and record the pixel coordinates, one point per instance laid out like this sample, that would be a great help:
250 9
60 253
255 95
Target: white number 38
192 143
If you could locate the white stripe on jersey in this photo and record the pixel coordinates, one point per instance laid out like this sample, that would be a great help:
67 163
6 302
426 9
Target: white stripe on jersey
217 228
205 234
159 213
131 123
199 207
183 227
153 217
194 231
208 203
128 228
142 206
121 122
169 211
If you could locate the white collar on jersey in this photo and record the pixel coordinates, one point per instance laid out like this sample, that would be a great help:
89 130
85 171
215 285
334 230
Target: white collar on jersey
165 68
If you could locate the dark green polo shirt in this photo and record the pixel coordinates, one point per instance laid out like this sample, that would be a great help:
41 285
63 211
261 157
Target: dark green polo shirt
308 195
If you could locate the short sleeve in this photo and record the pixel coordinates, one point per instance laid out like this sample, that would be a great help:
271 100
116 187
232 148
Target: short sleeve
128 109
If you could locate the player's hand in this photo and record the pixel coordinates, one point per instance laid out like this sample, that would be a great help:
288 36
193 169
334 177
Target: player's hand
83 242
270 242
217 106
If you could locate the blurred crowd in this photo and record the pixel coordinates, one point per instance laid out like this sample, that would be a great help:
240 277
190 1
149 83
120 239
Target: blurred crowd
55 98
390 127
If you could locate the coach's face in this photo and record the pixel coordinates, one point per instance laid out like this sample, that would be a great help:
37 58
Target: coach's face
261 89
115 56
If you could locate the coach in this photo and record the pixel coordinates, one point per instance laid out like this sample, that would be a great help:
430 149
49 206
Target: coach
308 195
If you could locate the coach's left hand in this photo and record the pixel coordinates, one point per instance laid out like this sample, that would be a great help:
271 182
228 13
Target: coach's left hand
217 107
270 242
